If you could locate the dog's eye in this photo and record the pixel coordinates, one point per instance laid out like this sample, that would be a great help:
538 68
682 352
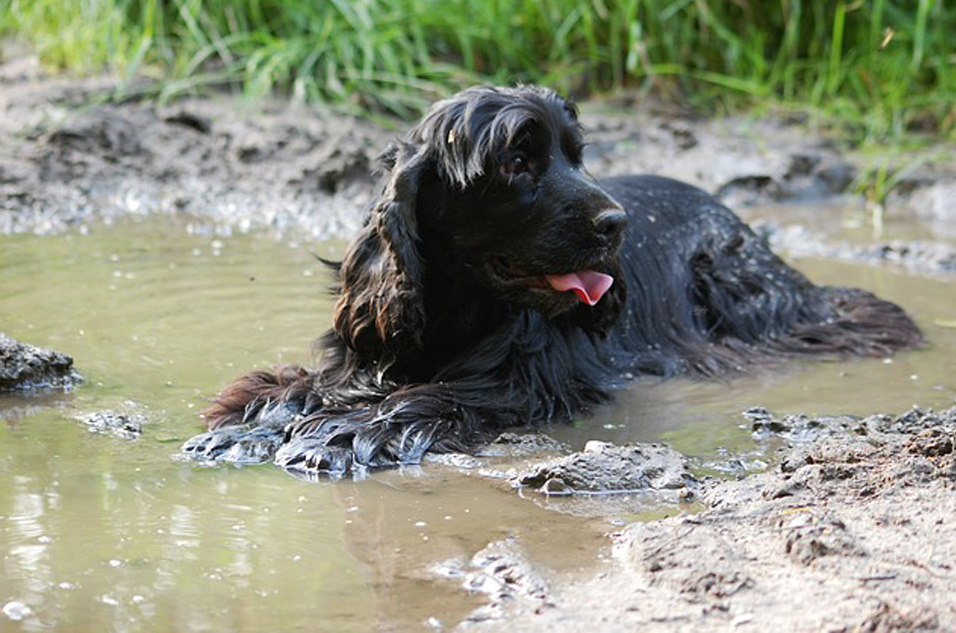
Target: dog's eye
517 165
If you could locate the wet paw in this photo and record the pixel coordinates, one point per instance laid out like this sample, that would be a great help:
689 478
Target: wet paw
210 445
311 458
242 444
234 445
255 447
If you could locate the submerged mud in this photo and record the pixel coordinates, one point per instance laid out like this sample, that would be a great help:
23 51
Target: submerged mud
116 423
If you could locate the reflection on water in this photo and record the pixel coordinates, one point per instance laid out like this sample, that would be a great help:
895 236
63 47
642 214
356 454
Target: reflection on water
100 533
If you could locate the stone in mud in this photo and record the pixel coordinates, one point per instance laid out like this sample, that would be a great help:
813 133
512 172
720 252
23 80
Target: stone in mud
123 425
603 467
24 366
800 427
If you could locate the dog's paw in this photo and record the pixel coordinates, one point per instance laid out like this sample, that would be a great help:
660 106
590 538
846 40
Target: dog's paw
244 444
233 445
312 458
208 446
255 447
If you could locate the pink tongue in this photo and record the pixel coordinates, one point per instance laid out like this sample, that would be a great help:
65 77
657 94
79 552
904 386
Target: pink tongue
588 285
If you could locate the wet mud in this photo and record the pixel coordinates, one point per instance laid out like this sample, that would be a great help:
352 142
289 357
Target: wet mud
69 155
852 530
26 367
118 424
604 468
920 256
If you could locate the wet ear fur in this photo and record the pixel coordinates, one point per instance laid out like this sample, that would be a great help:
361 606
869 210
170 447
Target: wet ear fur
380 313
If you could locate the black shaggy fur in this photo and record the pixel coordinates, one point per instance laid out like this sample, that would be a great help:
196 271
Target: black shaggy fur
446 329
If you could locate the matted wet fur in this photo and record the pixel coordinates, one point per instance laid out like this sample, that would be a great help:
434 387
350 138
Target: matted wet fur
464 304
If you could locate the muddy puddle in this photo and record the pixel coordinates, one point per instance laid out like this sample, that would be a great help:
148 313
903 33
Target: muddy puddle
104 533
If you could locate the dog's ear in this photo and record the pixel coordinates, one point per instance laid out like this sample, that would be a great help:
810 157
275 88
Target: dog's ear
601 317
380 312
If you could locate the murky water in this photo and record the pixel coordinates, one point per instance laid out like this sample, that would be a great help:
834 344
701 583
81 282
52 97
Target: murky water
99 533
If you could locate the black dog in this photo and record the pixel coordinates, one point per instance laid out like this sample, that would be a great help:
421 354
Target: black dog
496 283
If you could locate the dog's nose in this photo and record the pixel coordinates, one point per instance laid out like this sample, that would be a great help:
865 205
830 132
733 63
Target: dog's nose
610 223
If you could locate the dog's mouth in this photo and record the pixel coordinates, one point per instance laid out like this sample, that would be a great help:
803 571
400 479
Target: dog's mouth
587 284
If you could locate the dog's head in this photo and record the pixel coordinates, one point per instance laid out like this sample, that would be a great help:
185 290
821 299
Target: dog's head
490 191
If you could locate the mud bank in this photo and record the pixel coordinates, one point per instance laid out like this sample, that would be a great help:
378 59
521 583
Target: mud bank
919 256
853 530
69 157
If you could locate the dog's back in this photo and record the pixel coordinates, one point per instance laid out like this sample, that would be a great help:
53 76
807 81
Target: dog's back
706 295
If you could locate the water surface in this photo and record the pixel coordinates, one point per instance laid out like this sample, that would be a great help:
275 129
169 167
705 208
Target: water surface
100 533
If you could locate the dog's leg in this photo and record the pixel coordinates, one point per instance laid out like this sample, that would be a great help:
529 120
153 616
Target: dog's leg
241 402
397 431
248 418
507 381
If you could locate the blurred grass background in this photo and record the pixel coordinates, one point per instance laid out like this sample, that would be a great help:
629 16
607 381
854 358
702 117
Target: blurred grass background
881 69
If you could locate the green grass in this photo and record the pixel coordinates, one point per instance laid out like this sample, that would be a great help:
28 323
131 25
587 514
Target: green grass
878 67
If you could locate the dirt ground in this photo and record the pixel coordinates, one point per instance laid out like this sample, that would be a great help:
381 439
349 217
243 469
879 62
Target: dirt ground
854 529
68 156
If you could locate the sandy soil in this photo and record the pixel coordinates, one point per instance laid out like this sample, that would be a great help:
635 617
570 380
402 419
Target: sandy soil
853 530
